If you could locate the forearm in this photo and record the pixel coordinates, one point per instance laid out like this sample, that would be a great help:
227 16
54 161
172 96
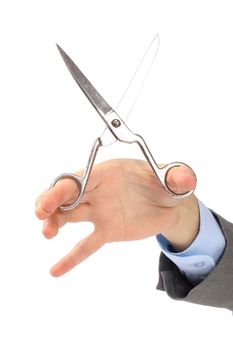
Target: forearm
216 288
203 254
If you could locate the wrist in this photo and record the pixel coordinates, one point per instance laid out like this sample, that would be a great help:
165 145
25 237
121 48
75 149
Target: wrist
187 228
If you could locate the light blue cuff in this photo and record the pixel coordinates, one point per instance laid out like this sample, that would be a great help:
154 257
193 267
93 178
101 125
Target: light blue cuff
198 260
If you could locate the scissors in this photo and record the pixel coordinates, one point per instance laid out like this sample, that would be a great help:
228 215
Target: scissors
117 130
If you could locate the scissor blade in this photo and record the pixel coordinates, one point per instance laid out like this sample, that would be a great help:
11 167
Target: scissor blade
134 88
101 106
136 83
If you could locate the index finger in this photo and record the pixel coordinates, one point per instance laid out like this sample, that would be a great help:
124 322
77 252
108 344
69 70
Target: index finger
64 192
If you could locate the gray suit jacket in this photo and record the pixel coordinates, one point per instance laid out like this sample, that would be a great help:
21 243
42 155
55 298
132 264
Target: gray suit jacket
216 290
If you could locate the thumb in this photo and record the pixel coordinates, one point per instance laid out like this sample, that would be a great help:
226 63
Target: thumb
181 179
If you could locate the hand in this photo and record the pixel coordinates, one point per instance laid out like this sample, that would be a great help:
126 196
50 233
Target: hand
125 201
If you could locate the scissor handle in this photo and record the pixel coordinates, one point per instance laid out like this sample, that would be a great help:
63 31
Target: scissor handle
162 174
79 180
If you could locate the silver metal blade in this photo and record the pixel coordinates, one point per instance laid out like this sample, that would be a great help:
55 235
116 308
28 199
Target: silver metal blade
134 88
101 106
130 94
136 83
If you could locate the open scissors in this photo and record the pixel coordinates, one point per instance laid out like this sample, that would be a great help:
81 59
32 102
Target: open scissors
117 129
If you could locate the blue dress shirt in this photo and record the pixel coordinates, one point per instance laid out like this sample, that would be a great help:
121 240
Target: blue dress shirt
198 260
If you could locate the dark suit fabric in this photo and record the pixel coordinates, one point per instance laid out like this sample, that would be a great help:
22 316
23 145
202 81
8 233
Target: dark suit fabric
216 290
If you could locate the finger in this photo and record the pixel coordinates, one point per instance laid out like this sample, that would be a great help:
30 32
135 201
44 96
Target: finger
52 224
81 251
64 191
181 179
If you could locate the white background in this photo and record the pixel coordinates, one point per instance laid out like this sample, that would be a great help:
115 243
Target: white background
47 127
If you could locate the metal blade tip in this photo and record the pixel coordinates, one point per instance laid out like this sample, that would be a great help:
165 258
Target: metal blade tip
59 48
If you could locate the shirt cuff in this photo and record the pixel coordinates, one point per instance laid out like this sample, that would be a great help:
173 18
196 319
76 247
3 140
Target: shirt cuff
198 260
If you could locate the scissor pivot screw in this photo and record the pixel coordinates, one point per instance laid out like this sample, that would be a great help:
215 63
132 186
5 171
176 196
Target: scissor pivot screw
116 123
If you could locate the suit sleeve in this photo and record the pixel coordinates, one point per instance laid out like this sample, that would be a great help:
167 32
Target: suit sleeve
216 290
